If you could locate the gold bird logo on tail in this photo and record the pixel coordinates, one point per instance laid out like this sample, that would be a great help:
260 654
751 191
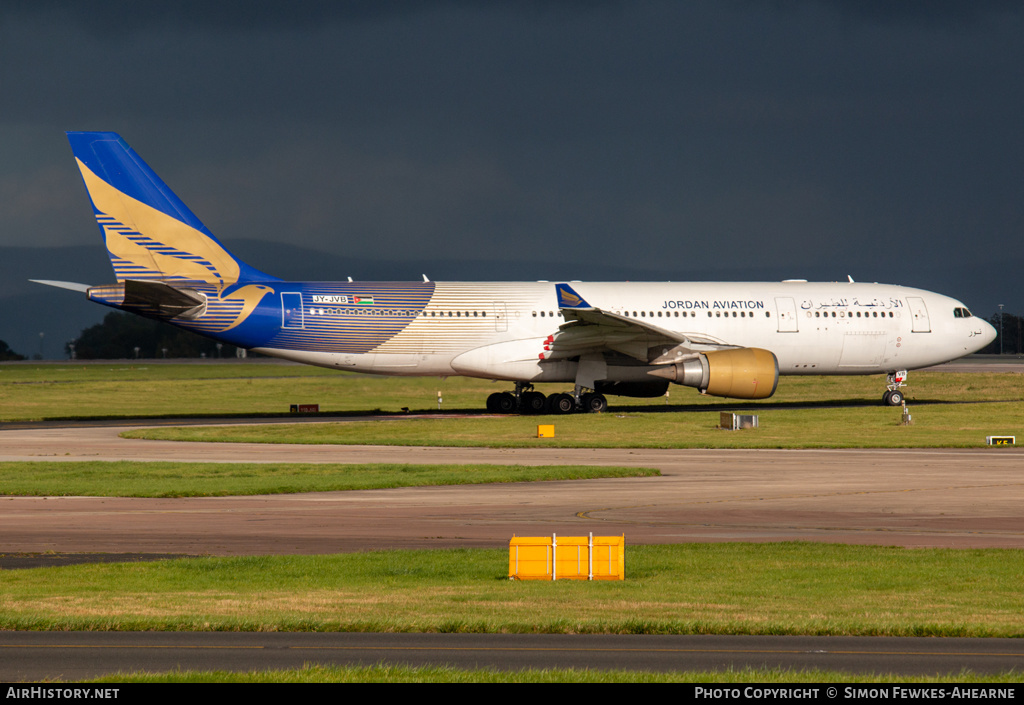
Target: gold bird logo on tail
251 295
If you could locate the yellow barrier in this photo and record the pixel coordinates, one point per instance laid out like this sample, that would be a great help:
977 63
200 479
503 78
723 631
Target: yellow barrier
545 431
567 558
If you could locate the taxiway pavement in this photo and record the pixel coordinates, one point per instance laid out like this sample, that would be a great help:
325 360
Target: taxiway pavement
32 656
913 498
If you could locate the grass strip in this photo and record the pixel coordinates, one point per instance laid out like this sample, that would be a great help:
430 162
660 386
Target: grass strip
933 426
784 588
123 390
170 479
442 674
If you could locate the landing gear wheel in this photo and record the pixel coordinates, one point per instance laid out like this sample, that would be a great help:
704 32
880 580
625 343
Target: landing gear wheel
561 403
533 403
594 403
492 403
506 403
893 397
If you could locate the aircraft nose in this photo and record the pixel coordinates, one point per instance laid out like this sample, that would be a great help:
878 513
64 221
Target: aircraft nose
988 332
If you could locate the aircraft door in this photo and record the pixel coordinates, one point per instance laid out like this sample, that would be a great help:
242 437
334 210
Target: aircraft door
500 317
785 308
291 310
920 313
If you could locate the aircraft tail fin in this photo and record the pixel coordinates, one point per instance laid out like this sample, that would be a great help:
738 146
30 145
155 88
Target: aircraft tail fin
151 235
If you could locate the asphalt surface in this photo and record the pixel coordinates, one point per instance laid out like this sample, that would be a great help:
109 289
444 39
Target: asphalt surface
913 498
31 656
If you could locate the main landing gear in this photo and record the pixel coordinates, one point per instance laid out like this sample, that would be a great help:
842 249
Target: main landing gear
893 396
524 400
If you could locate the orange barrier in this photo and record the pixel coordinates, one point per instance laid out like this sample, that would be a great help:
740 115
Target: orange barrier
567 558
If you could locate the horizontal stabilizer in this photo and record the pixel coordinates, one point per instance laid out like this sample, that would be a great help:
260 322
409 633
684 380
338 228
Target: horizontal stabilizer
168 300
73 286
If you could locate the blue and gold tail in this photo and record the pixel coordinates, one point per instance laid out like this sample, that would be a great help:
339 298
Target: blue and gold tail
150 234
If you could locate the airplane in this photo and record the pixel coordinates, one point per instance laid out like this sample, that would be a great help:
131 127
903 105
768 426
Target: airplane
724 339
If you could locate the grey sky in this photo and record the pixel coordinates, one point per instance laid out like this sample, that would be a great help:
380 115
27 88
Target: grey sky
790 138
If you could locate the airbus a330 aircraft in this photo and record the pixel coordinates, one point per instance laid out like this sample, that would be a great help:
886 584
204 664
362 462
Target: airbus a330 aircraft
633 339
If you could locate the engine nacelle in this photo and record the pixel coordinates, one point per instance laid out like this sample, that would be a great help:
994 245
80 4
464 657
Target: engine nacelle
742 373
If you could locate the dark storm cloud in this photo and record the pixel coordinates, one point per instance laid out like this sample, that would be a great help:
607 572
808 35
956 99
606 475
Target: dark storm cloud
926 12
128 15
794 138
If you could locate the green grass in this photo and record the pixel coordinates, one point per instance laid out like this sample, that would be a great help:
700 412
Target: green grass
785 588
170 479
446 674
933 426
949 409
125 390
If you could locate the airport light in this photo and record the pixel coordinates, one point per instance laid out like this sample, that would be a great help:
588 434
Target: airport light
1000 328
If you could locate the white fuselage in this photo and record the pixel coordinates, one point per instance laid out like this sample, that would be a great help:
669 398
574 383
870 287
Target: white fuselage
497 330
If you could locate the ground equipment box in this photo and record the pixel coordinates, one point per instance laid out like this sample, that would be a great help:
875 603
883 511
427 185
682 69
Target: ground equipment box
567 557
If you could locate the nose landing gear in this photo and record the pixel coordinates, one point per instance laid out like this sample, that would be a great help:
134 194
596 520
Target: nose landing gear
893 396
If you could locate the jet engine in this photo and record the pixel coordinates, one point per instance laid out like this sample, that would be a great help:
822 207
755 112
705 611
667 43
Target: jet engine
742 373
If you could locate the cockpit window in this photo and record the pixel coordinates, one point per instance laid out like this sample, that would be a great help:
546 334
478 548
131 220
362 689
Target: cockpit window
960 312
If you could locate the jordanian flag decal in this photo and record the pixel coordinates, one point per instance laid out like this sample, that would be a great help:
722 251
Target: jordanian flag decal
365 300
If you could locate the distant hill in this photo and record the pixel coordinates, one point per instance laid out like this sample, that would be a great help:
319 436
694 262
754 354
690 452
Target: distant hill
28 309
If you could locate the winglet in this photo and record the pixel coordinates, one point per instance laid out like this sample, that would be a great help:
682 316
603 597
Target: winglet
567 298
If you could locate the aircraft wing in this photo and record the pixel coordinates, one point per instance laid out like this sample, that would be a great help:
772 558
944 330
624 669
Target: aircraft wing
589 329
